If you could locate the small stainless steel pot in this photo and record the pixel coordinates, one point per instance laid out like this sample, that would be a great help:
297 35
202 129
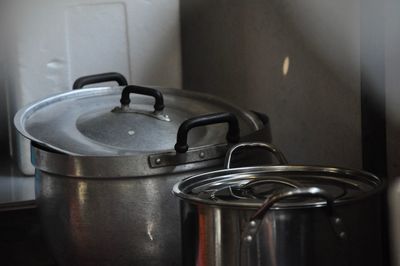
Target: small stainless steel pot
105 166
281 215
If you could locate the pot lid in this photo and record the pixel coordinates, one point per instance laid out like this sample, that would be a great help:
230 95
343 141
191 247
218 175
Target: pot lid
114 121
250 186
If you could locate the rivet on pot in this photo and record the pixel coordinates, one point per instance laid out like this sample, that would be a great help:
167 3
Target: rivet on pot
253 224
158 161
248 238
202 155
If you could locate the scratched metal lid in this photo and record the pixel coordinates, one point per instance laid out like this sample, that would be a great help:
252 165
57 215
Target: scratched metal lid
249 187
114 121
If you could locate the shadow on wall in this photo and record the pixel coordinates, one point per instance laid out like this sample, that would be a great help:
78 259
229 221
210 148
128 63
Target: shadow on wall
3 122
4 148
392 68
254 54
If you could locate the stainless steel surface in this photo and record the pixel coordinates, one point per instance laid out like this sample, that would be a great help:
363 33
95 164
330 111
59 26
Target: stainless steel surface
111 167
243 217
129 221
212 236
251 230
119 210
154 114
82 122
106 210
292 193
345 185
191 156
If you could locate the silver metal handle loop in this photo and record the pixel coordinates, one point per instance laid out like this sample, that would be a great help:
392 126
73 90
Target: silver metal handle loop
275 151
311 192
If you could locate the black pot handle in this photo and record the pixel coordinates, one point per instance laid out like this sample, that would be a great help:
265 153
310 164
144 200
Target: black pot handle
100 78
157 95
233 135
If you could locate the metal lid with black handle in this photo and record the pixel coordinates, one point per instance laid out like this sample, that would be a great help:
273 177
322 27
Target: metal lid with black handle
131 120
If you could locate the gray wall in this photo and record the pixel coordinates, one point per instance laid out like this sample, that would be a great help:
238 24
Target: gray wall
3 109
236 49
392 68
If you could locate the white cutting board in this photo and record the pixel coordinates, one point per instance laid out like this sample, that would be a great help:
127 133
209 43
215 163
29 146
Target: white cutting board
52 43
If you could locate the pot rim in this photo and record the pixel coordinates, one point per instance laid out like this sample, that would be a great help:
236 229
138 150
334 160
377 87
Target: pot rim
111 167
20 119
377 186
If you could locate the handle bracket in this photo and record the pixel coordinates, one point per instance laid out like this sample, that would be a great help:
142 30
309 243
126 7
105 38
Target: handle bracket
253 225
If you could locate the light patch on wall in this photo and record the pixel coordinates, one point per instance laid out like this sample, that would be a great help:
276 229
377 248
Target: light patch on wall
286 65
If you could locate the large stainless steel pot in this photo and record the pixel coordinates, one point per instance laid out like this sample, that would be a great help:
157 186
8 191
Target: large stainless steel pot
104 172
281 215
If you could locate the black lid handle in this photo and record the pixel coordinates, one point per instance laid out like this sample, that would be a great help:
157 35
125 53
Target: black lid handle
233 135
100 78
157 95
